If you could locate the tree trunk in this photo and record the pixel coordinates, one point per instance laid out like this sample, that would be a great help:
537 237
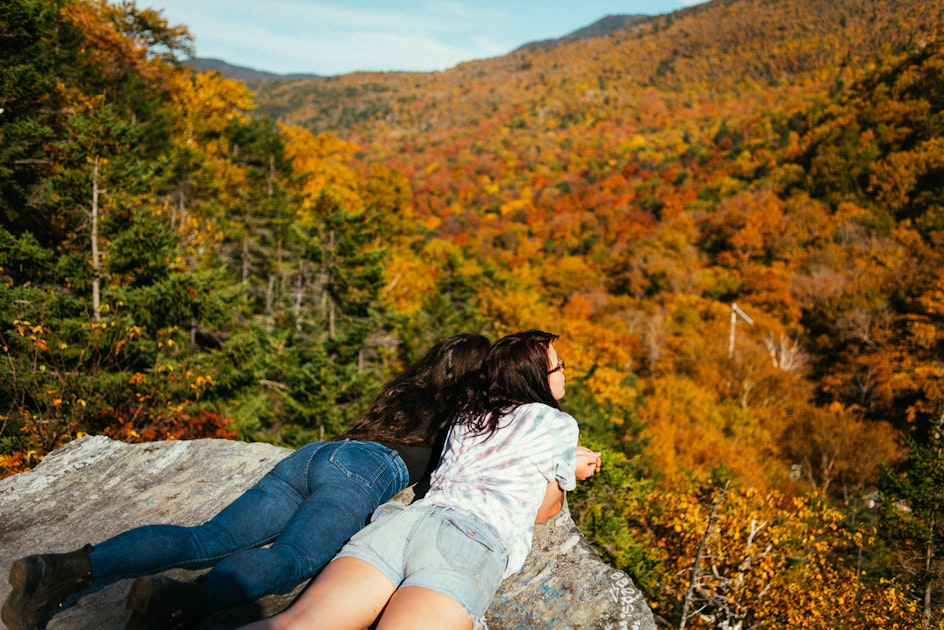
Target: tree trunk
270 306
699 556
331 330
928 562
326 282
96 255
246 257
299 294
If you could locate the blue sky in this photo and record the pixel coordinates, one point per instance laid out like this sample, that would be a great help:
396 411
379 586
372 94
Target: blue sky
328 38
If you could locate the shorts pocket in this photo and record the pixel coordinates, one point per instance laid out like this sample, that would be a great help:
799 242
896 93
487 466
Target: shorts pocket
390 508
465 547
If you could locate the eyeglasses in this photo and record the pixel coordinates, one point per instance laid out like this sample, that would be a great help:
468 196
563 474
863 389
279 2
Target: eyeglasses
559 368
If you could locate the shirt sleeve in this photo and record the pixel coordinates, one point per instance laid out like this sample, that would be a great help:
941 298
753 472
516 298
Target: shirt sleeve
556 432
565 462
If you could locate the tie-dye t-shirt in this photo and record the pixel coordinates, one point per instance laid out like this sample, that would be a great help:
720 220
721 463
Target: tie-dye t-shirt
503 479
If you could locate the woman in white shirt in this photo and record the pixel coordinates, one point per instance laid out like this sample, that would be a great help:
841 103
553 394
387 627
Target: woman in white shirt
510 456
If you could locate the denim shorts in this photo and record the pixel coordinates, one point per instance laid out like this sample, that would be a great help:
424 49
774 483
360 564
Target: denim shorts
434 547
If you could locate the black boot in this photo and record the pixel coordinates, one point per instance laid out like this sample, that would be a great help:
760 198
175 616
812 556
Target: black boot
41 584
160 603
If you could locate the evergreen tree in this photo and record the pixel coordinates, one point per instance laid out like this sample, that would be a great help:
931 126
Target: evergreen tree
912 519
30 107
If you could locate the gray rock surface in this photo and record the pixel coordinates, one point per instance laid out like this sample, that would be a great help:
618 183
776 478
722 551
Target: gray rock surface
94 488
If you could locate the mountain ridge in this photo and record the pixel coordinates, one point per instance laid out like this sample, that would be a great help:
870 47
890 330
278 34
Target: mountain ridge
242 73
600 28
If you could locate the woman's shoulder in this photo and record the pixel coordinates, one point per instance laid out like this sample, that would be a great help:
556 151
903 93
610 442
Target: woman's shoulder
541 426
542 412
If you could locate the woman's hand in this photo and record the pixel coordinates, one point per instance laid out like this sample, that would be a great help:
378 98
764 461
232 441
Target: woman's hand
588 463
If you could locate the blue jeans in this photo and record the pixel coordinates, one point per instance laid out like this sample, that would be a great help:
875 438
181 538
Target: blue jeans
307 507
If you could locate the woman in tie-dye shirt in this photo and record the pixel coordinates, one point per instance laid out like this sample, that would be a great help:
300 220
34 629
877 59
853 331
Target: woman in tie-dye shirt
509 458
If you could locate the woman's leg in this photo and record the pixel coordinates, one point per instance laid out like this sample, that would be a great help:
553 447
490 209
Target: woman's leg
414 607
346 482
45 582
348 594
255 518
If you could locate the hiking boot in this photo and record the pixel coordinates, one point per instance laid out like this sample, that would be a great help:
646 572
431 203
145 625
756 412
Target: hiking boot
41 584
160 603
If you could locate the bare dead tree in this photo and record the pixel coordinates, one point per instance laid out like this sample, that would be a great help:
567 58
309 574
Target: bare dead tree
695 582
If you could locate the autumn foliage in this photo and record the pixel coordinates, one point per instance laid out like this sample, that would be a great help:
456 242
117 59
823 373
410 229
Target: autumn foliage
733 215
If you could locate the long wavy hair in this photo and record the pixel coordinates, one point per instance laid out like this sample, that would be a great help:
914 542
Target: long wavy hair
421 402
514 373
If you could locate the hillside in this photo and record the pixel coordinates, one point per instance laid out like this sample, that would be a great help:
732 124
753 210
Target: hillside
668 170
673 81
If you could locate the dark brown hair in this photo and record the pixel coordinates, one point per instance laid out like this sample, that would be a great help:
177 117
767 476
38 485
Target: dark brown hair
514 373
419 403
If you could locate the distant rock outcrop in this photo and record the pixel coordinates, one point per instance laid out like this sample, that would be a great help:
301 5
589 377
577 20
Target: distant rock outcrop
94 488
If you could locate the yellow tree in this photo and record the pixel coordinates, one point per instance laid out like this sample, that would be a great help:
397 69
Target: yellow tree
208 181
324 165
739 558
123 40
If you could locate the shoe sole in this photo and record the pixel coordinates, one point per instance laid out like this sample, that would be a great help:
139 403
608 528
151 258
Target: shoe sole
25 577
12 611
22 579
139 597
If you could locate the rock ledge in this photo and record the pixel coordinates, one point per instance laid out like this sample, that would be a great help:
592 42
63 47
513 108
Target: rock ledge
94 488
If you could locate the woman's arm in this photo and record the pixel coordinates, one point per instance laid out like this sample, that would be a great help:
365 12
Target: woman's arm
552 504
588 462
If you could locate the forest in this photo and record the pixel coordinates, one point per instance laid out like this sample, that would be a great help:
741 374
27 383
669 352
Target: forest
733 216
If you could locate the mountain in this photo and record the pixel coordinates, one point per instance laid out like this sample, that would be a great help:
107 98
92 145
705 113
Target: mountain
600 28
240 73
625 192
742 52
668 159
603 26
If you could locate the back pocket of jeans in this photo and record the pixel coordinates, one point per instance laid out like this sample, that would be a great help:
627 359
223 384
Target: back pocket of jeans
464 547
358 463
